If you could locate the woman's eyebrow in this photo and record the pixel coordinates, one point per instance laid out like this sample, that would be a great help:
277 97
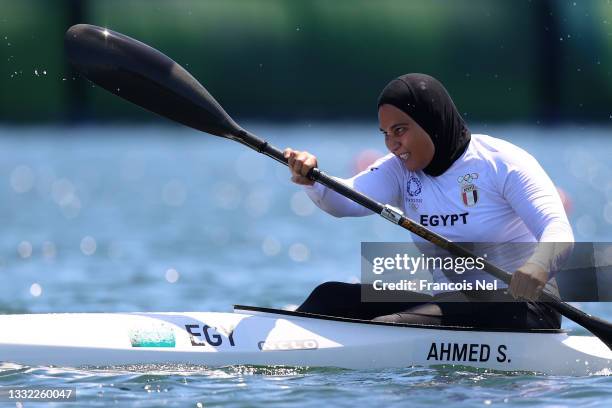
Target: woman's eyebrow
394 126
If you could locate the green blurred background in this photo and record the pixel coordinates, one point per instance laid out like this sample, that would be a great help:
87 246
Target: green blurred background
523 61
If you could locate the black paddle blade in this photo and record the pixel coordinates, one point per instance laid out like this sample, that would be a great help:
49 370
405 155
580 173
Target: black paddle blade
146 77
599 327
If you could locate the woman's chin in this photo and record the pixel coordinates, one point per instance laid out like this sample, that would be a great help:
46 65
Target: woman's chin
412 166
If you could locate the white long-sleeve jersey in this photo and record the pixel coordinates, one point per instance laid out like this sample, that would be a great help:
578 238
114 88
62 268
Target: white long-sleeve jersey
494 193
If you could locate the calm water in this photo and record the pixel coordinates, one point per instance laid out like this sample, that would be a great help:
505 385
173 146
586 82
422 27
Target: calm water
166 219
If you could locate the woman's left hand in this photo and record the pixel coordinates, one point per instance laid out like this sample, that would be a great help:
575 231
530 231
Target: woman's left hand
528 282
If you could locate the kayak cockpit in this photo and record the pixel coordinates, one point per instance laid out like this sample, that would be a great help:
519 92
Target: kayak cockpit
271 312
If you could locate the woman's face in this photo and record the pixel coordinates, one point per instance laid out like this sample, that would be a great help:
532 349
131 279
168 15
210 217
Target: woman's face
405 138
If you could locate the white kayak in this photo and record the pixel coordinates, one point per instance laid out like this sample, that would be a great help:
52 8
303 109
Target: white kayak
259 336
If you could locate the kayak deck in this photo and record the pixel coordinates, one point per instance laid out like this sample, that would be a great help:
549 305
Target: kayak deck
260 336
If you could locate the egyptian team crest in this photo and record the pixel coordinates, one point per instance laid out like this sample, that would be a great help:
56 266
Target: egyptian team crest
469 192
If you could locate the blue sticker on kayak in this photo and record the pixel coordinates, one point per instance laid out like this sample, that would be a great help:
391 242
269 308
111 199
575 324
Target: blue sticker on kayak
157 336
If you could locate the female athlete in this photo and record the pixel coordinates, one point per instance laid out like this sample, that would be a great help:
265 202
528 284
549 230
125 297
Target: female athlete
465 187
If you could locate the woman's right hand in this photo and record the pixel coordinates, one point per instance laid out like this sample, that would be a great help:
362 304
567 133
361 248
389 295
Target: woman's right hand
300 163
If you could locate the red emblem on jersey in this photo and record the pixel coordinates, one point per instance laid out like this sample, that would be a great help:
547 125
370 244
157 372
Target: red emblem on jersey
469 192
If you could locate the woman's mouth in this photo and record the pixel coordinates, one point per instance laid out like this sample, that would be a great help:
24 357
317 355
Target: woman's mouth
404 156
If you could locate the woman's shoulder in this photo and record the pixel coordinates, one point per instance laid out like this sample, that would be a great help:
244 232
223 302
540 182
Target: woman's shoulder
388 162
499 152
